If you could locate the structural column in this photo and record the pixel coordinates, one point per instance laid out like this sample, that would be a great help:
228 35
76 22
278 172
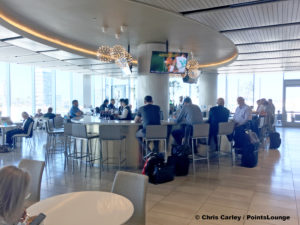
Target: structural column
208 82
87 87
156 85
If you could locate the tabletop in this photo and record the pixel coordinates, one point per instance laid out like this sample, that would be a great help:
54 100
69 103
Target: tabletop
88 207
7 125
95 120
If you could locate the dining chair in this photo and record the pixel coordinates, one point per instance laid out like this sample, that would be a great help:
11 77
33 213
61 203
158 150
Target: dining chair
27 135
134 187
35 169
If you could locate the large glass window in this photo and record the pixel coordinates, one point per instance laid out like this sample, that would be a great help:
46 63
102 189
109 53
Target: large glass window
44 89
77 88
99 89
21 90
4 85
63 98
269 86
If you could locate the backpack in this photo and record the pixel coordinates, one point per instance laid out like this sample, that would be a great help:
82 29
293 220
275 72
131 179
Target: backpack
275 140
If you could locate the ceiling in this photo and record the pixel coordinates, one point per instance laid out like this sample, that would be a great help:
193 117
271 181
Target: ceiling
265 32
79 23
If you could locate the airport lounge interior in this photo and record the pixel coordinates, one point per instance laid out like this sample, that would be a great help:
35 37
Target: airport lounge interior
149 112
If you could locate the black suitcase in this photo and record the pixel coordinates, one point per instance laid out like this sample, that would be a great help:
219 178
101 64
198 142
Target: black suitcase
275 140
250 156
162 174
181 164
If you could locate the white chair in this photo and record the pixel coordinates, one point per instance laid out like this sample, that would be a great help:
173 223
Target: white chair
226 128
35 169
134 187
27 135
200 131
157 133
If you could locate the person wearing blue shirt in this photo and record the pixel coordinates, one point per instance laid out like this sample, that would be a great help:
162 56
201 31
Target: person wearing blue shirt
75 111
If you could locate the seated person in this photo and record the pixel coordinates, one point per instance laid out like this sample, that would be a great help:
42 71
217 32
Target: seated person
189 115
112 104
14 183
22 130
38 114
241 118
104 105
121 106
49 115
75 111
148 114
126 113
217 114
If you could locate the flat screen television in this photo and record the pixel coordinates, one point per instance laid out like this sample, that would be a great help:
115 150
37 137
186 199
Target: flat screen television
168 62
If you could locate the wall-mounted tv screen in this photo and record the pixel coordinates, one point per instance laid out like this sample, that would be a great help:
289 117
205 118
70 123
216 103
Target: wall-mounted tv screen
168 62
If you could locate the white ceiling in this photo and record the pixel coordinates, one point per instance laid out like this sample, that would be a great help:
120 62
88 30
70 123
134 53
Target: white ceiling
267 35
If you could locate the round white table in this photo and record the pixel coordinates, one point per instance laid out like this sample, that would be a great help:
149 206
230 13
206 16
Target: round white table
88 207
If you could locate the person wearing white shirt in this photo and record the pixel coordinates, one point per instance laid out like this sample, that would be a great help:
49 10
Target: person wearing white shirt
242 113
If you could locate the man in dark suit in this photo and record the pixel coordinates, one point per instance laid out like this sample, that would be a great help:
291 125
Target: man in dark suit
22 130
217 114
148 114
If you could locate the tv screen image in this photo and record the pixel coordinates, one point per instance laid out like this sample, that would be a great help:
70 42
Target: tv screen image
168 62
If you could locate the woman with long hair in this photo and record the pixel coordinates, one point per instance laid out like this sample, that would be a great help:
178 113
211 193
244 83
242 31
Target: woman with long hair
14 184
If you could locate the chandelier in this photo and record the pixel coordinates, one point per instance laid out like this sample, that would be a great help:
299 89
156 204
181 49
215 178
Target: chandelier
192 69
103 53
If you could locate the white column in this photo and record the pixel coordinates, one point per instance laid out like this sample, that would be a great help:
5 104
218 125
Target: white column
87 87
156 85
208 82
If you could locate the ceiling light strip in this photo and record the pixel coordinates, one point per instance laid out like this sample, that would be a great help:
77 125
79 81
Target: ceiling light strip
218 63
44 37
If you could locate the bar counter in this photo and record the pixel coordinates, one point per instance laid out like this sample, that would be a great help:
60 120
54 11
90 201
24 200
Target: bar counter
130 128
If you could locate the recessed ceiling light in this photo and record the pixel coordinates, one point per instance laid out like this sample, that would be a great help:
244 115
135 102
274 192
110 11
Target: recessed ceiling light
123 28
104 29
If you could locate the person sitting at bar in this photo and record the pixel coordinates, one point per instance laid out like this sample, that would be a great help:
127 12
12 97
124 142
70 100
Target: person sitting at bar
241 117
242 113
75 111
21 130
149 114
121 106
126 113
217 114
38 114
49 114
112 104
104 105
189 115
14 183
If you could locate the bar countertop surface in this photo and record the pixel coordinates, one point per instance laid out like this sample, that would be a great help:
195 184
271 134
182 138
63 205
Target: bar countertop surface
90 120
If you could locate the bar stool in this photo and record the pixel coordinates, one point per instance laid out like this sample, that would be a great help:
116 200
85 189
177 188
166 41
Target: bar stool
112 133
156 133
200 131
68 142
226 128
79 132
52 134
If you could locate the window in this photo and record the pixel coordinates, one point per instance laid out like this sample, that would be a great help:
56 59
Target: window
77 88
44 89
21 90
4 86
63 88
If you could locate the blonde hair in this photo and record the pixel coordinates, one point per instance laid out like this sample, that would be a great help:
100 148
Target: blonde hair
14 184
